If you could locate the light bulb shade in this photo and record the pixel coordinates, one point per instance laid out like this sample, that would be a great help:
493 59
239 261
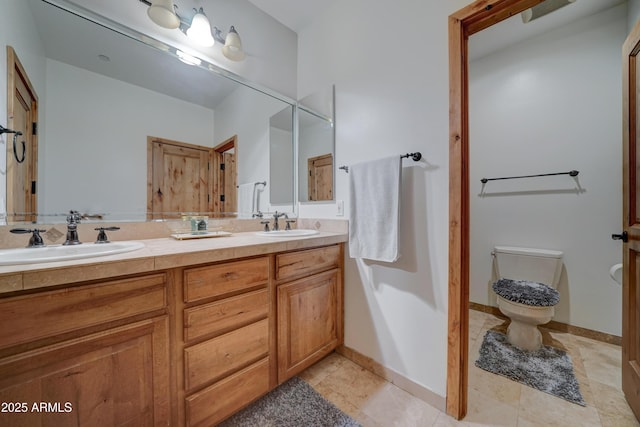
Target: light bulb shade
162 13
200 30
233 46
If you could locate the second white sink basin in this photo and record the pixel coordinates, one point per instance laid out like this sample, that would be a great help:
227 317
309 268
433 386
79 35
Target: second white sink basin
64 253
297 232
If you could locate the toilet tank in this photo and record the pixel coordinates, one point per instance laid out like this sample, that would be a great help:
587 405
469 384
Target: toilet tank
534 265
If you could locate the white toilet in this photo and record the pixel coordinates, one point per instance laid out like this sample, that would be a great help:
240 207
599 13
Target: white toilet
526 291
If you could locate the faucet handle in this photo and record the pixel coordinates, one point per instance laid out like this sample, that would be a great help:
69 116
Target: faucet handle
288 226
102 236
74 217
35 241
266 225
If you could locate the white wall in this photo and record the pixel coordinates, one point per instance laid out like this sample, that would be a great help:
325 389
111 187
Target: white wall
246 113
95 140
552 103
391 99
16 25
281 165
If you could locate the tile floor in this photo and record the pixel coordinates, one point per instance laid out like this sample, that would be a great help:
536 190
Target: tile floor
493 400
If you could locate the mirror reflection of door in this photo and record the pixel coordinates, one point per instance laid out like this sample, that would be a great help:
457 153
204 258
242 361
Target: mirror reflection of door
225 177
178 178
320 177
631 223
22 159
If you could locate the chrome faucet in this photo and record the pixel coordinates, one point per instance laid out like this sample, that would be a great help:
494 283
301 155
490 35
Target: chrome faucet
277 215
35 241
73 219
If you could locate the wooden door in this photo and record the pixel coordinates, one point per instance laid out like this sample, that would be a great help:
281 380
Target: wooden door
230 183
320 177
22 161
307 322
178 179
225 176
631 222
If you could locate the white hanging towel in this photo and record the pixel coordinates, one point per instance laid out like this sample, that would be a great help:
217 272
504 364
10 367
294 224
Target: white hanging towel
374 218
245 200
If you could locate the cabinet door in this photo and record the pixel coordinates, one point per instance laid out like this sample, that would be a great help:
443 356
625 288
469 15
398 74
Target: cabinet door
309 321
112 378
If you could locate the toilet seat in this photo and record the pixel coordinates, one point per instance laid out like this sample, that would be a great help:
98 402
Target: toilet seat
528 293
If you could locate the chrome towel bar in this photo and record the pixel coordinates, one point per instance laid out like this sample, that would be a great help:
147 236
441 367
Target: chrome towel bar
570 173
415 156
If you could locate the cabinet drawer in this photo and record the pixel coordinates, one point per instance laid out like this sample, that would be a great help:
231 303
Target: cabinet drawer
301 263
215 403
221 279
224 315
46 314
222 355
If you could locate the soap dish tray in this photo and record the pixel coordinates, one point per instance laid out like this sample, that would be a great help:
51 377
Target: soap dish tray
200 234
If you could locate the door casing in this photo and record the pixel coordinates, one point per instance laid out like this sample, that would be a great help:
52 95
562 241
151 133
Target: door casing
467 21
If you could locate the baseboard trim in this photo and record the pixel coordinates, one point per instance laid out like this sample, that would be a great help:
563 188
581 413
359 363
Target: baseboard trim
411 387
556 326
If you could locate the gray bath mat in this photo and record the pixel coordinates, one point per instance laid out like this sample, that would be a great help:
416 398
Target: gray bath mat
547 369
292 404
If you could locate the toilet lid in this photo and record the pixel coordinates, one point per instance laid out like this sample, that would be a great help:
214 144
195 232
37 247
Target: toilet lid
525 292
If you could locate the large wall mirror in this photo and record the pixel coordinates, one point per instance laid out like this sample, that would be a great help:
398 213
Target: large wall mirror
128 131
314 118
316 146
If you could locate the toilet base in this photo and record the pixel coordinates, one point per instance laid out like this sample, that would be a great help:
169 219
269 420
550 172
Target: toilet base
524 335
523 330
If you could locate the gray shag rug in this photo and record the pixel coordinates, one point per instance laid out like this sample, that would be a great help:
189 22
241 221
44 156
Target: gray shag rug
292 404
547 369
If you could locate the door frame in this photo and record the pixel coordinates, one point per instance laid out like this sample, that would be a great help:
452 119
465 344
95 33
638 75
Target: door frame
217 179
630 350
467 21
15 71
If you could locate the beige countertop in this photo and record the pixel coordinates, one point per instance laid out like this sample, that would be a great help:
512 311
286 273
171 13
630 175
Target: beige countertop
157 255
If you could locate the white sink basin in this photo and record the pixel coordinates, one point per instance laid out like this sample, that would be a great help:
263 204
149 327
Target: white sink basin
64 253
298 232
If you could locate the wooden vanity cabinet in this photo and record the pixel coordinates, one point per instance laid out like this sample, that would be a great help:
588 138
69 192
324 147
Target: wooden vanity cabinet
310 307
227 339
186 346
93 355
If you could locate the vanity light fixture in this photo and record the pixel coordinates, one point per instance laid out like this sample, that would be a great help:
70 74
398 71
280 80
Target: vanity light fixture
232 48
162 13
200 29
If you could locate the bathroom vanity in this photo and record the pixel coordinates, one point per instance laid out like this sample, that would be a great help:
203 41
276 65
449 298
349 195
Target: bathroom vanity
177 333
